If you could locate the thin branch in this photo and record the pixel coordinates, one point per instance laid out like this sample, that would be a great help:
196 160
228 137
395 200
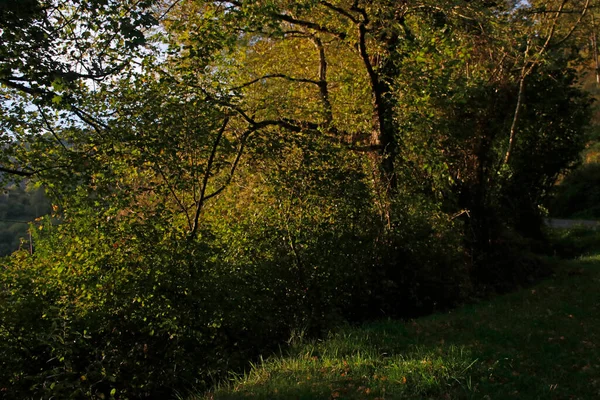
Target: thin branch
445 10
83 115
177 200
576 24
551 33
513 127
50 129
595 49
273 76
295 21
17 172
527 68
290 124
238 156
323 85
168 10
209 164
308 24
98 126
20 172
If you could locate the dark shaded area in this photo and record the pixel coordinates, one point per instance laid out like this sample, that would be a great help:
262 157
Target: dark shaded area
578 195
535 342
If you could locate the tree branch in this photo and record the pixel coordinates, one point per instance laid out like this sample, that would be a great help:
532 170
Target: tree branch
576 24
209 164
50 129
308 24
323 86
513 127
272 76
84 116
341 11
528 67
238 156
17 172
177 200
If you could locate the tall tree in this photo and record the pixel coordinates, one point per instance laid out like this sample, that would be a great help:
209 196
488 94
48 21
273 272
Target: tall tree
314 67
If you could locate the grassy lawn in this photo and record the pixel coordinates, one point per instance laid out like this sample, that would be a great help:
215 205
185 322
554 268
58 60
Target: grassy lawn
538 343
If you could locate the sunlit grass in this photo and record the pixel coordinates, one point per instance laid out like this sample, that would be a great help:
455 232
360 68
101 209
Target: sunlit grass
538 343
324 370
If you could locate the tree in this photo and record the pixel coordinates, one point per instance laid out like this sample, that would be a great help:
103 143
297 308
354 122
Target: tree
322 61
53 54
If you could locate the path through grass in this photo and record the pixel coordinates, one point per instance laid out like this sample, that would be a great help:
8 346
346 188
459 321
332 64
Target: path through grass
539 343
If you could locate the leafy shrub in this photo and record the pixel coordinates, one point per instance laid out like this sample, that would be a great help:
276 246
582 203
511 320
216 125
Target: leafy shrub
578 195
135 314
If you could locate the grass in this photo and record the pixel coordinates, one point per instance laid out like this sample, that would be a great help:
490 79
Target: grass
538 343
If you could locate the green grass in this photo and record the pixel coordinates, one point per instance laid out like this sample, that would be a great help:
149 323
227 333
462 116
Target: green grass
539 343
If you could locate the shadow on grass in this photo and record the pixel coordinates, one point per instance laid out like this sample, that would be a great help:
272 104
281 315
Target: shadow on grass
540 343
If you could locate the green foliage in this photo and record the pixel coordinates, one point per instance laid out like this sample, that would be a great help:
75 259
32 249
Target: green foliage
250 169
552 137
126 311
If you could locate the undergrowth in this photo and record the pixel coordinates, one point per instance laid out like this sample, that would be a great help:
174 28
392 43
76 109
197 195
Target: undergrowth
539 343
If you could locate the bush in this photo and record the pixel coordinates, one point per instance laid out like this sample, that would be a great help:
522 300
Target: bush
578 195
136 314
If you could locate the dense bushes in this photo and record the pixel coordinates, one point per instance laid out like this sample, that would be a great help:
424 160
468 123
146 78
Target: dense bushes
578 194
138 321
133 308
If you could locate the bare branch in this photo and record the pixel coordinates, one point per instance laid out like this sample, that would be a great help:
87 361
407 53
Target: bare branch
513 127
168 10
576 24
50 129
527 68
551 33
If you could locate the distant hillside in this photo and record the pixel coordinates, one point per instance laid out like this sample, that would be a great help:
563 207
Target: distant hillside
18 207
